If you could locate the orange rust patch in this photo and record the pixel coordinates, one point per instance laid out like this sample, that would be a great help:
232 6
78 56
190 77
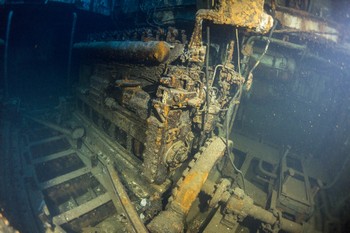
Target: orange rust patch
189 189
248 14
240 205
124 201
161 51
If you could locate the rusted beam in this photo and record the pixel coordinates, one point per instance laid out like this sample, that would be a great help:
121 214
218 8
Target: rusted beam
64 178
123 197
53 156
152 52
46 140
81 210
295 21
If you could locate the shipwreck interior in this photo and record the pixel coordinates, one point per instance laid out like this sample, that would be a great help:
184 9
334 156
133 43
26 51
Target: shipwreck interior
175 116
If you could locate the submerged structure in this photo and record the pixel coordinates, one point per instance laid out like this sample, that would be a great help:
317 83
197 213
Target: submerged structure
175 116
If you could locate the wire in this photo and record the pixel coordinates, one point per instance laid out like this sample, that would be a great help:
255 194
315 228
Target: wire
229 113
238 54
207 99
207 68
265 50
330 185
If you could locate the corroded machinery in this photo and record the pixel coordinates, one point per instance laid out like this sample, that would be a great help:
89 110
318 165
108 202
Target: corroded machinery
163 99
146 143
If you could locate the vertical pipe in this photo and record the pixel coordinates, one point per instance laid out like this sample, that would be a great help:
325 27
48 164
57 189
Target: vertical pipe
207 68
8 30
70 51
206 115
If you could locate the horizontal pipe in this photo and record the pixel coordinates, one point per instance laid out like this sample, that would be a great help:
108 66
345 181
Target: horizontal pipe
151 52
278 42
246 206
50 125
74 134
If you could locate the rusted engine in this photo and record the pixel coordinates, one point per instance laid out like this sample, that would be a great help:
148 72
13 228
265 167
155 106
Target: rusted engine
162 97
149 144
155 117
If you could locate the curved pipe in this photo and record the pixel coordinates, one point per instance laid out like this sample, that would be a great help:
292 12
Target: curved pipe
264 172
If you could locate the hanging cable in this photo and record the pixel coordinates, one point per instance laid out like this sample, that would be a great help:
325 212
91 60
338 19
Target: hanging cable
207 68
238 54
336 178
232 110
265 50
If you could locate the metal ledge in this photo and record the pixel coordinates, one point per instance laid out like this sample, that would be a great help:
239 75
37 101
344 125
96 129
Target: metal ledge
81 210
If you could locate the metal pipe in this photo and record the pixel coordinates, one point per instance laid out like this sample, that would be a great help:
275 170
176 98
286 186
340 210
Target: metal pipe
241 204
266 173
74 134
207 98
207 71
151 52
70 50
277 41
8 30
265 216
